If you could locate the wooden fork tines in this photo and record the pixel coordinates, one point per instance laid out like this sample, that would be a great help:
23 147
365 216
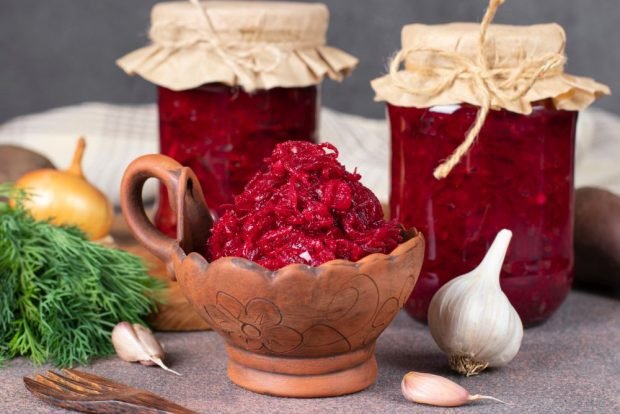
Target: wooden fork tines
89 393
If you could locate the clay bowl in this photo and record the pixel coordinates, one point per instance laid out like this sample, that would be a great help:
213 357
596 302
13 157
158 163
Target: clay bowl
300 331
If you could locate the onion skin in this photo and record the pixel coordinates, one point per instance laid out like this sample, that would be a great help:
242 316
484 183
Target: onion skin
66 198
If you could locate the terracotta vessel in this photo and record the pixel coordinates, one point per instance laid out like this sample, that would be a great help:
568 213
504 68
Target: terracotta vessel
300 331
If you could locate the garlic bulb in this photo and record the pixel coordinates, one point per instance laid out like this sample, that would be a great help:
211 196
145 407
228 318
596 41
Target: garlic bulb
136 343
471 319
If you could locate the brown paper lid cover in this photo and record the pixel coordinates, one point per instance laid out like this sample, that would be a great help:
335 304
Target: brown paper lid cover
442 66
257 45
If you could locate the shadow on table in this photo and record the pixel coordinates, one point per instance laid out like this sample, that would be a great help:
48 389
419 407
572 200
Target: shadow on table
410 360
612 292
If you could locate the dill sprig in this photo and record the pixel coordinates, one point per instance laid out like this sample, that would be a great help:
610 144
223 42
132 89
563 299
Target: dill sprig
60 294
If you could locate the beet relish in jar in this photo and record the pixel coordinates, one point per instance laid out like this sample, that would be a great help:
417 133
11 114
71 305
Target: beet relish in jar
483 139
234 80
503 182
233 131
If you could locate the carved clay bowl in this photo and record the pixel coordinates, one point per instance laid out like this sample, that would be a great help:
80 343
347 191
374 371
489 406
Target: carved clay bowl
300 331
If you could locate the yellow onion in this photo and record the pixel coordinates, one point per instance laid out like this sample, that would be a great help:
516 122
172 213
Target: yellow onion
67 198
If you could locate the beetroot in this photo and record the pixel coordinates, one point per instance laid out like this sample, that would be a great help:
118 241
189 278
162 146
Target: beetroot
305 208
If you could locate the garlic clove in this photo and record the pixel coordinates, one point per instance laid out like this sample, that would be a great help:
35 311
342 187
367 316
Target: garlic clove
434 390
472 320
148 340
136 343
149 344
126 343
152 347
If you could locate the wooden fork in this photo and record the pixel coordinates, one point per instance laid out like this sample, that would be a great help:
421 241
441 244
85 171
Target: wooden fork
89 393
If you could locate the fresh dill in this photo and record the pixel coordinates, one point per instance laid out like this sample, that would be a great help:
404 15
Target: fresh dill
61 294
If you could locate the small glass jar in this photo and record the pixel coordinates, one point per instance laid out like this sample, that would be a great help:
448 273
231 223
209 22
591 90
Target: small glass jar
518 175
223 133
234 80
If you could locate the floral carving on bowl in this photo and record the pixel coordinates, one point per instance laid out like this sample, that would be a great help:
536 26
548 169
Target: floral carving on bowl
255 325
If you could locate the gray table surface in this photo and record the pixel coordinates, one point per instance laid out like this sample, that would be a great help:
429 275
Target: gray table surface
570 364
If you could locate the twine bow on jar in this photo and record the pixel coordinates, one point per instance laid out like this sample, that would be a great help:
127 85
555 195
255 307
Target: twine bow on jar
489 83
231 53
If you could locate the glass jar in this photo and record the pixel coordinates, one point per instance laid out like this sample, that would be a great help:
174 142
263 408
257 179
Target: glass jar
223 134
234 79
518 175
483 121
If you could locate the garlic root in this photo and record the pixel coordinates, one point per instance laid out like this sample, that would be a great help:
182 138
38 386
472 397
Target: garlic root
466 365
136 343
434 390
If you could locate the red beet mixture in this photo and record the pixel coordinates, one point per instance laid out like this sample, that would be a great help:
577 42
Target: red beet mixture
305 208
224 133
517 175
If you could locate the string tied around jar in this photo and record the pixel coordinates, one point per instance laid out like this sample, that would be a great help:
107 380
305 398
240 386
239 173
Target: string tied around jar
500 82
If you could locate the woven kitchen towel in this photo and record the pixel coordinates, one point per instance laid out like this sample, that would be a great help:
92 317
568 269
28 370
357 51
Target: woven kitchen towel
117 134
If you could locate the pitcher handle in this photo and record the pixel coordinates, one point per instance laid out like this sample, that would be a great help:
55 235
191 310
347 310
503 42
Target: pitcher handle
194 220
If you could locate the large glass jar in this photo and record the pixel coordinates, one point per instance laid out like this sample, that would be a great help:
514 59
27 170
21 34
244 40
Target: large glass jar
223 133
483 120
518 175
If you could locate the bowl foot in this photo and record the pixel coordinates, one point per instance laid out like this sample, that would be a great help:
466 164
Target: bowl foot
303 377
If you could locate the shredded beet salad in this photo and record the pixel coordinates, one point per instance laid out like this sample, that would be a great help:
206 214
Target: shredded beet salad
305 208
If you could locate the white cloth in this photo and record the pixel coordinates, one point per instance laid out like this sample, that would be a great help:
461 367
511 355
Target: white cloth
117 134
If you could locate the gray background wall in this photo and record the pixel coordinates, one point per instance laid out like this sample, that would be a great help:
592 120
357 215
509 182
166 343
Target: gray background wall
61 52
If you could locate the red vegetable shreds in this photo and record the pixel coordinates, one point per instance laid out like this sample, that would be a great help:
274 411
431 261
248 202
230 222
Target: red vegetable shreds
305 208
